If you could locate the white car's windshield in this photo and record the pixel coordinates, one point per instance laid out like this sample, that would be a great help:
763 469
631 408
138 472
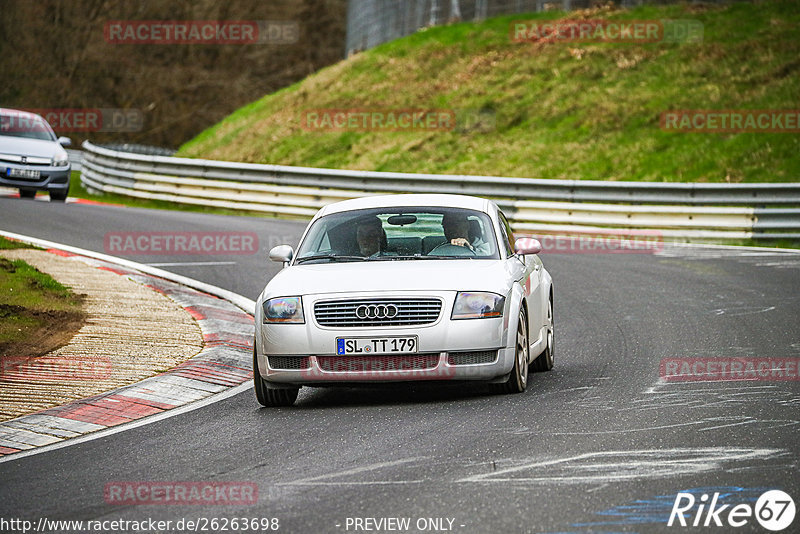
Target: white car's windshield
15 124
387 234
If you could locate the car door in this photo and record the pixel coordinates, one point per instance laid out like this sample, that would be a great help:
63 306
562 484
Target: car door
529 277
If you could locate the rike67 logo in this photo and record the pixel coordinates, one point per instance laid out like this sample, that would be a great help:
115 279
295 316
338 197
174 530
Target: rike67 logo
774 510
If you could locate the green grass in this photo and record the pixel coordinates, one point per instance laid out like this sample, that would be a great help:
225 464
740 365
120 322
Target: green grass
9 244
31 301
574 111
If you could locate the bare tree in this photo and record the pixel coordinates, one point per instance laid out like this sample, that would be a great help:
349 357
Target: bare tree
54 54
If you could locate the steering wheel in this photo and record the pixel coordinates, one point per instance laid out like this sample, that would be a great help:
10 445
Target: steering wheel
448 249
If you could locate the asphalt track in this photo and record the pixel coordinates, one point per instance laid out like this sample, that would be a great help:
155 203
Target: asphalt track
600 444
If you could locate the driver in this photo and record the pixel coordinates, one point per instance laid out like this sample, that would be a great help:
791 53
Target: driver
370 237
456 230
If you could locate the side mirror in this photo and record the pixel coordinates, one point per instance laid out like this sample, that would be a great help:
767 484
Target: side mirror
527 245
282 253
65 141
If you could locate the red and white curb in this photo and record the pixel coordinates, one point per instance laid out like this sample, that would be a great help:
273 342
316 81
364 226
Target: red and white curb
224 363
43 197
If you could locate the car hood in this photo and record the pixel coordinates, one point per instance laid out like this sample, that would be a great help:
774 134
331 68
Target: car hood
400 275
21 146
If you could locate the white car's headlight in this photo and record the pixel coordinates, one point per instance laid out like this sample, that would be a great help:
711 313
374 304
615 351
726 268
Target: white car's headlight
283 310
61 160
474 305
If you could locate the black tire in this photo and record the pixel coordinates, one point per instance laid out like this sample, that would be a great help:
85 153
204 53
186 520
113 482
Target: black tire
271 398
27 193
58 196
518 380
544 362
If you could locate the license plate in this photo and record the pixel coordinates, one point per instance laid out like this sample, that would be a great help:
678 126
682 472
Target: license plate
26 174
376 345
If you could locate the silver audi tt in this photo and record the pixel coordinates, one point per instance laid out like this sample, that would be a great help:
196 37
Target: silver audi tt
401 288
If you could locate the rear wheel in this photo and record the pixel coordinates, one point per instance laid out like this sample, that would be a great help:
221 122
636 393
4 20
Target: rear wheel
544 362
271 397
518 380
27 193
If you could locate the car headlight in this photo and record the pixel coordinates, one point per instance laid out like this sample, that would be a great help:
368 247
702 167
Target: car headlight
283 310
61 160
474 305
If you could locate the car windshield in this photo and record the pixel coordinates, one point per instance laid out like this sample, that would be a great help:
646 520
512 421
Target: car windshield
392 234
14 124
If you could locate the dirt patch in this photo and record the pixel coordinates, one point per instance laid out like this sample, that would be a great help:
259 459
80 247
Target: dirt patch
37 313
48 331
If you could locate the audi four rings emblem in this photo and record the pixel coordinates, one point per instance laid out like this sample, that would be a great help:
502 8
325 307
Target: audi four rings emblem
377 311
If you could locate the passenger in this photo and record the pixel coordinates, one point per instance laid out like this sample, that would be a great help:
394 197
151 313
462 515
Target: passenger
370 237
456 230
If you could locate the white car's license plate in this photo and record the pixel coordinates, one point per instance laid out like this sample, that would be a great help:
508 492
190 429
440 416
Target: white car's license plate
26 174
376 345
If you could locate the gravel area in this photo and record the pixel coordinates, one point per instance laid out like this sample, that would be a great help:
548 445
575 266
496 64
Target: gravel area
131 332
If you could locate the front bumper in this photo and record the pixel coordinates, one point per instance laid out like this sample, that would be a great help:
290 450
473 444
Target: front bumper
51 178
472 349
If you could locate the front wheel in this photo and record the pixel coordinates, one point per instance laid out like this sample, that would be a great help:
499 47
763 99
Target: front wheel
27 193
58 196
518 380
271 397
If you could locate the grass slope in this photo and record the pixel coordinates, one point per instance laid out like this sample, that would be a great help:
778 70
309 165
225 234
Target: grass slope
585 111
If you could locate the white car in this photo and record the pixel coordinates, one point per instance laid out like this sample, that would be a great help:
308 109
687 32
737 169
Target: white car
400 288
32 158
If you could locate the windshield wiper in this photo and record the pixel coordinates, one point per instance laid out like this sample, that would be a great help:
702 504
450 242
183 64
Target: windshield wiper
407 257
331 257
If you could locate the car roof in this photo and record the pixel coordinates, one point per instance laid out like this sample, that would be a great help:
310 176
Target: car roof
409 200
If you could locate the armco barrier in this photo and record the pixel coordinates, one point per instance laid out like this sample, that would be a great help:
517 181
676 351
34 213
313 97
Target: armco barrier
680 211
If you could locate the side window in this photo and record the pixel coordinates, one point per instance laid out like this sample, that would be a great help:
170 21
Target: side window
508 235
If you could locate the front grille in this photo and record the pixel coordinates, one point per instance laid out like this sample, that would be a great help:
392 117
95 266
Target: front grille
377 364
471 358
409 312
29 160
288 362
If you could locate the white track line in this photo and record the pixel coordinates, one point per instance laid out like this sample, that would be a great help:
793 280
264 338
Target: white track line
191 263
